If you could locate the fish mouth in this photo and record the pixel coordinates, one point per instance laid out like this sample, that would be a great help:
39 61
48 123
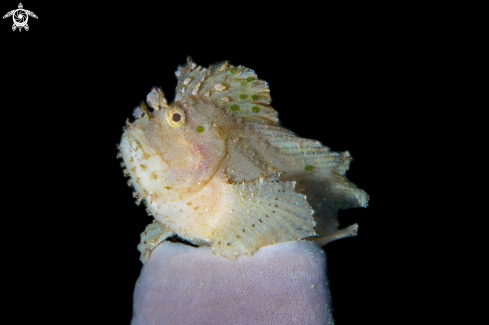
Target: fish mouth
129 137
147 151
133 145
132 138
141 161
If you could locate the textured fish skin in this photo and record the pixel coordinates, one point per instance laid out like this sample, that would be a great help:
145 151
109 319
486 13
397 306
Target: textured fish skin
216 168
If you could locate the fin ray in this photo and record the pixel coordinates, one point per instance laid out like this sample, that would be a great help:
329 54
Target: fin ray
234 89
326 164
271 217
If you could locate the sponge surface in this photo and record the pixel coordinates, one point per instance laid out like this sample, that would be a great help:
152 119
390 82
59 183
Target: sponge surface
284 283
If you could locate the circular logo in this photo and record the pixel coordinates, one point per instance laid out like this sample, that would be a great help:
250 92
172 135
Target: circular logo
20 17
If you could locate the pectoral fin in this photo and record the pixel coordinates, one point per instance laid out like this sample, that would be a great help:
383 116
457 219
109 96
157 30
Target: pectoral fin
265 212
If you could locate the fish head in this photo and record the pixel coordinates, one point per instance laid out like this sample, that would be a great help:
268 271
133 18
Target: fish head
173 150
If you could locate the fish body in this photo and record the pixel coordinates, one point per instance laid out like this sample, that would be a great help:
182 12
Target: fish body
216 168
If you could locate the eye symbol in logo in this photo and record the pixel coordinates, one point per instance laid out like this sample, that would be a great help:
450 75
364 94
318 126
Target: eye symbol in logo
20 17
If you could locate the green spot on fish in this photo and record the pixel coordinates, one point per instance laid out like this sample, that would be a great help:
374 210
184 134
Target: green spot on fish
243 96
308 168
254 97
336 203
233 71
243 83
234 107
301 182
343 203
255 109
249 79
200 129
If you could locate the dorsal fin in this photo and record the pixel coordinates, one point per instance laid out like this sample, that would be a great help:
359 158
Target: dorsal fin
320 161
234 89
313 152
223 80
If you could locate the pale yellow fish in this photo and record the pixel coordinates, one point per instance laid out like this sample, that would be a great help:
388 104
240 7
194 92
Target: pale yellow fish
216 168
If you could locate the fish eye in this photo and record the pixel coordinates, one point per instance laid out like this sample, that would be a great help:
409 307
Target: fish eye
175 117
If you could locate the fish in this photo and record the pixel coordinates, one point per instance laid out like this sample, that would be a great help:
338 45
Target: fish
216 168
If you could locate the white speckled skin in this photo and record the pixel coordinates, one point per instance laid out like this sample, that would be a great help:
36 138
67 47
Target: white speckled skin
282 284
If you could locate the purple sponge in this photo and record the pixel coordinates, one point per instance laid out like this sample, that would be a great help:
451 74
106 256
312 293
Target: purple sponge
282 284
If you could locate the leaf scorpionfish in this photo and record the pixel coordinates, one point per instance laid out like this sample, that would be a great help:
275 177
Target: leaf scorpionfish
216 168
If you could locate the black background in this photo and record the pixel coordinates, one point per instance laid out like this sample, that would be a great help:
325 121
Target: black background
343 75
